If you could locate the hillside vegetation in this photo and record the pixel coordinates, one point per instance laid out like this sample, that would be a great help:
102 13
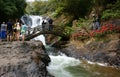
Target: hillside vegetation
73 15
77 16
78 8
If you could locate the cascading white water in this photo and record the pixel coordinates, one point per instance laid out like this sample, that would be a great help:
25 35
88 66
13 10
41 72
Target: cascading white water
37 21
41 38
59 63
63 66
34 21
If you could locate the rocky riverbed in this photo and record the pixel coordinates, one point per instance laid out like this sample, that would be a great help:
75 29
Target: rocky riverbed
23 59
96 51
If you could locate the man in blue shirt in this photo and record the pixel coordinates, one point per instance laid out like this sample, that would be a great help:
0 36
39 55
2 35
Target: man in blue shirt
3 30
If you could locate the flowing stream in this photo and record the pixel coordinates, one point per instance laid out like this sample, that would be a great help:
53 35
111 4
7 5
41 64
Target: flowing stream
63 66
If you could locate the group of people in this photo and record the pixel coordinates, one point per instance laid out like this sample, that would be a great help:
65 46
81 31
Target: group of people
12 31
47 22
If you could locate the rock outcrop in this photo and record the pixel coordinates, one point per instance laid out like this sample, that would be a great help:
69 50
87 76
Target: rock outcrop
23 59
104 52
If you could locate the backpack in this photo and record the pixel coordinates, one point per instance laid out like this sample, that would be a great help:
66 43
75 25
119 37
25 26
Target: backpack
50 21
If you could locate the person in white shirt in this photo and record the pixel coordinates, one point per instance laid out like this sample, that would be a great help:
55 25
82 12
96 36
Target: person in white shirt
18 27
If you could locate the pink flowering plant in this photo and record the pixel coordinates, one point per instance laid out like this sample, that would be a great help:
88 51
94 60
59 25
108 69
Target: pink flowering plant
105 29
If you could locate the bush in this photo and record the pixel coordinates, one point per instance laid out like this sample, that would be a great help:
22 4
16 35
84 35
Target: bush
107 14
105 29
58 11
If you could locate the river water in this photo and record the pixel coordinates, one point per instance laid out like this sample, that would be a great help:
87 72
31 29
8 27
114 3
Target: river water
63 66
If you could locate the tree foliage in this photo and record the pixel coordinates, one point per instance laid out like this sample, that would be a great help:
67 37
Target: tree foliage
76 8
107 8
40 7
11 9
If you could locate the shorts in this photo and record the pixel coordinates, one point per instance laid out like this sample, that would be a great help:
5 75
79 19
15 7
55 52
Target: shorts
23 32
3 34
9 32
14 30
17 31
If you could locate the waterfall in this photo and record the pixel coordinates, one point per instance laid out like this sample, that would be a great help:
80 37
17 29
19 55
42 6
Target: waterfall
34 21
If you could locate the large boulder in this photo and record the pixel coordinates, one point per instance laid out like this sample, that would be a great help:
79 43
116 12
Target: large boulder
23 59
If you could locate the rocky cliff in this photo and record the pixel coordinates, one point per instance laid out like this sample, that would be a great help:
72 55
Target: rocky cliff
23 59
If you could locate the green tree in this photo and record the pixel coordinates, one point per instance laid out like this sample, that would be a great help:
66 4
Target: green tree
40 7
11 9
78 8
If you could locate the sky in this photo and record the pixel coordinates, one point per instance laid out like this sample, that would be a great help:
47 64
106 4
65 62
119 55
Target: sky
29 0
33 0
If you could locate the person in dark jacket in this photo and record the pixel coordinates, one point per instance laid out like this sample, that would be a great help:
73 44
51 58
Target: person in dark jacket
9 30
50 21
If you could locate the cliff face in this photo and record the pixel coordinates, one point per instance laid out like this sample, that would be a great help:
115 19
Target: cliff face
23 59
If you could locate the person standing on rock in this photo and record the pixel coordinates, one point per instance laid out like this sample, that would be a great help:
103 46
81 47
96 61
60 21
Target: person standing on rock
96 22
9 30
18 27
3 30
43 24
23 31
50 21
